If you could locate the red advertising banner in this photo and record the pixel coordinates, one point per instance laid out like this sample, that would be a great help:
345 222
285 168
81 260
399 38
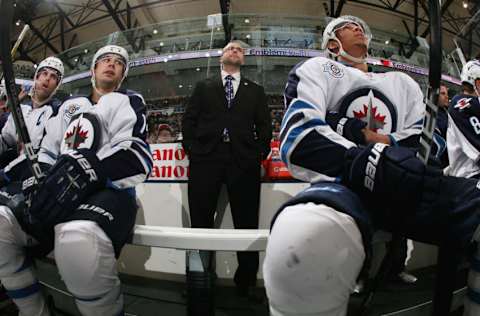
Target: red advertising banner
170 163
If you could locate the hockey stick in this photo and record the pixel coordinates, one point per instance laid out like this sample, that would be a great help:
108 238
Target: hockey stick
434 77
6 7
20 38
448 257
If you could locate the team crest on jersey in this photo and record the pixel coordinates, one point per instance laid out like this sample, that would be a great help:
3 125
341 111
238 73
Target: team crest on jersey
83 131
372 107
333 70
71 109
463 103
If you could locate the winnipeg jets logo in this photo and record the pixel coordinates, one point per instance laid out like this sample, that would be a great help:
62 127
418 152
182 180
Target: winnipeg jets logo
369 115
463 103
82 132
333 70
372 107
76 137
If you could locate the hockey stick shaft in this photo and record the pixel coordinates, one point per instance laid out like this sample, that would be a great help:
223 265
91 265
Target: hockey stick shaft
434 77
20 38
6 7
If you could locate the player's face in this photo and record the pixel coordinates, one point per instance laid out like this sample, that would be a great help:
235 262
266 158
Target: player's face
45 83
233 55
443 97
477 85
353 39
109 71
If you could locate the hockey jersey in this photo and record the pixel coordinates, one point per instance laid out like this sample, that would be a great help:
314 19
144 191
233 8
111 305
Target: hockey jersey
390 103
115 128
463 136
35 119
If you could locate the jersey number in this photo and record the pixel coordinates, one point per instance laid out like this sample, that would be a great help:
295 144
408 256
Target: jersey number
475 124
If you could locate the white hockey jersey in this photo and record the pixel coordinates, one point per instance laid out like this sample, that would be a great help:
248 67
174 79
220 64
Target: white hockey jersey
35 120
115 128
463 141
391 103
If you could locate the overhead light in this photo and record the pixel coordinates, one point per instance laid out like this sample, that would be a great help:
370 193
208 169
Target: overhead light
17 23
247 21
161 43
75 60
180 86
155 31
465 4
248 36
387 42
198 69
35 66
85 50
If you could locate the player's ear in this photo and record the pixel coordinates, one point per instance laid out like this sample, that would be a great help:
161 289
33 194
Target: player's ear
333 46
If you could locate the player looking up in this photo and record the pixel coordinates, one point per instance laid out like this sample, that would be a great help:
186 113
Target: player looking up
84 209
320 239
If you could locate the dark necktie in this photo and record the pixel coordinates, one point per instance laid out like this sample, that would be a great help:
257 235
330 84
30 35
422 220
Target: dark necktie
229 90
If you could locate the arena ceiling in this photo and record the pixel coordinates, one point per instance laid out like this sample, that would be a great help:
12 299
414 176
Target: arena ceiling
58 25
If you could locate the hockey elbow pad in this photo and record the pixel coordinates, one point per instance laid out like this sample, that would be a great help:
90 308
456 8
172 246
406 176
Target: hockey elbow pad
73 178
350 128
385 177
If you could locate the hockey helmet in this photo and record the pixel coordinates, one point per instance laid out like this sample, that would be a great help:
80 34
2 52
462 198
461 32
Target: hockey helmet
110 49
336 24
52 63
470 72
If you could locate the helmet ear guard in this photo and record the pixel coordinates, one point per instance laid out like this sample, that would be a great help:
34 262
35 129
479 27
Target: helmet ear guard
110 49
329 34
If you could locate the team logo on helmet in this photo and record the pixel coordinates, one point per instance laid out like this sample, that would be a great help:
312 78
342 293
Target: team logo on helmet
372 107
333 70
82 132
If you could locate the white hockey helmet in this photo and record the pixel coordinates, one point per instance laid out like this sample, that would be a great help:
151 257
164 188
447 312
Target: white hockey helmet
54 64
336 24
470 72
110 49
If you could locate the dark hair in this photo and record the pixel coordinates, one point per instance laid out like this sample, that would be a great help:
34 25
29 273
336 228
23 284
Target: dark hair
467 87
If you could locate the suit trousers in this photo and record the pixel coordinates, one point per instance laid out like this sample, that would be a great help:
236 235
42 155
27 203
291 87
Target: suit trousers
243 188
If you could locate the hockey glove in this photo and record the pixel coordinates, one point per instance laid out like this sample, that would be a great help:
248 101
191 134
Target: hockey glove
385 177
73 178
350 128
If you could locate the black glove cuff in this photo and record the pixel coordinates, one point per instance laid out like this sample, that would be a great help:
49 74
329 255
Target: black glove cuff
350 128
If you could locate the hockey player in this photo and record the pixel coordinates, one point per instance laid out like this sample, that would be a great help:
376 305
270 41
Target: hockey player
320 239
463 142
37 108
84 209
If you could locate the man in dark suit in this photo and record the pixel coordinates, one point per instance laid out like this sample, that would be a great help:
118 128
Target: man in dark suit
226 133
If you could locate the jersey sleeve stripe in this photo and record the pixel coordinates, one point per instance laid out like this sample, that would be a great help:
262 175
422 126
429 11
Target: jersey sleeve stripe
293 136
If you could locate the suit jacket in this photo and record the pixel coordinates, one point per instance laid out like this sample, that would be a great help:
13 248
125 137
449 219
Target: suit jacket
247 120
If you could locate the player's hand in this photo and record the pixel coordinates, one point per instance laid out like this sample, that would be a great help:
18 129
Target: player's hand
371 137
23 93
73 178
384 176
